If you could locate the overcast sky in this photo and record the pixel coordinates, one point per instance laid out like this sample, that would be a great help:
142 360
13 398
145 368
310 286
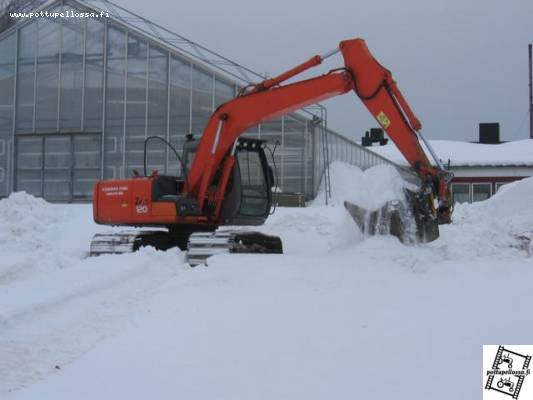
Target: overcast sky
457 62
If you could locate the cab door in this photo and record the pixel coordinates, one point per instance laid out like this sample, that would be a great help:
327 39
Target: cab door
248 196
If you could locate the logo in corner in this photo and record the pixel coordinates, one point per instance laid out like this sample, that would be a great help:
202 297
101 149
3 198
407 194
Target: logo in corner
506 370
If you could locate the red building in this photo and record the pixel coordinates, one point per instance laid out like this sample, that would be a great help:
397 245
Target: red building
479 169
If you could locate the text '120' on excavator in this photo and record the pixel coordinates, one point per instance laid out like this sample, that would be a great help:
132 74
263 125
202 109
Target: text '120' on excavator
226 179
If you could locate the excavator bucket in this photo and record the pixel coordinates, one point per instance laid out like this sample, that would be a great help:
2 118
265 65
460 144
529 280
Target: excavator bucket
410 219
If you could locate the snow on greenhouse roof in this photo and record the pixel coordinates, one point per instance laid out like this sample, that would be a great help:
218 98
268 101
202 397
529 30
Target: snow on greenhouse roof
466 154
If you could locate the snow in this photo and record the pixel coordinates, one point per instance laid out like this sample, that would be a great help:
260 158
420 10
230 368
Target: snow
370 189
516 153
336 316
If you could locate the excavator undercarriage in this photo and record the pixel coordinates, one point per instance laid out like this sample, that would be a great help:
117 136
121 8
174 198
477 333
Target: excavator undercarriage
199 245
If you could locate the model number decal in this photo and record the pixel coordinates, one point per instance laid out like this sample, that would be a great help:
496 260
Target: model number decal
141 206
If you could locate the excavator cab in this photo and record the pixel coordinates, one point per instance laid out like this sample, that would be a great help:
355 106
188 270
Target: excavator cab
248 196
249 193
247 201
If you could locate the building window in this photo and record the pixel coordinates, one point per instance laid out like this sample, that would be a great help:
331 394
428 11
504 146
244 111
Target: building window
202 99
71 73
61 167
7 80
461 192
499 185
26 77
115 103
481 191
47 74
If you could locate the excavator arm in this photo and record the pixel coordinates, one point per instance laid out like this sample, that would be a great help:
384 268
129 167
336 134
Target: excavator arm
362 73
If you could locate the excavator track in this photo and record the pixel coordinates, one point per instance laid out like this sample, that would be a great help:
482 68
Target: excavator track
129 241
203 245
200 246
117 243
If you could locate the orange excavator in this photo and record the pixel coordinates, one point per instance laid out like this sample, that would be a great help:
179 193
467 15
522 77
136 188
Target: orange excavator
226 179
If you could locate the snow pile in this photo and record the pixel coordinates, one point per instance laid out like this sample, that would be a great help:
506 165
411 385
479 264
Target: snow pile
35 234
26 219
369 189
513 199
518 152
500 227
325 229
495 226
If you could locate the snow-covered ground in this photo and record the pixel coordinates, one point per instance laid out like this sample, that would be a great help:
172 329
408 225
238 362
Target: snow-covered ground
337 316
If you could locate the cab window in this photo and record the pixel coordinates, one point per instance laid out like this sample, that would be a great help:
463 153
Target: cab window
254 200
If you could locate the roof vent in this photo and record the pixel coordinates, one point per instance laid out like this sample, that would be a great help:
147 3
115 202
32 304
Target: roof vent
489 132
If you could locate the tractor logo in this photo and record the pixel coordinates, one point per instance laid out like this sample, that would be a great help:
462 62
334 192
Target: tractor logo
508 372
141 206
506 358
508 383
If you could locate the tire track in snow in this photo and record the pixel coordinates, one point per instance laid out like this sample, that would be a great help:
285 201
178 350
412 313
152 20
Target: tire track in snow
56 330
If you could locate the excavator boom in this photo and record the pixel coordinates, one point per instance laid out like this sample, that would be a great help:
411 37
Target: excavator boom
362 73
